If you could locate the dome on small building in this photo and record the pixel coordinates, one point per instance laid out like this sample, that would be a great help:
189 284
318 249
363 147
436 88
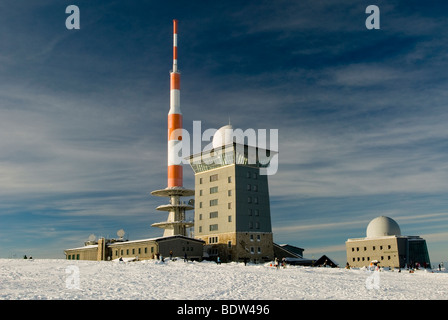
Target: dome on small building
381 227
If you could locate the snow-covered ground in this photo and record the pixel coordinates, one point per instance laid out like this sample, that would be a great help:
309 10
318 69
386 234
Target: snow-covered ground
179 280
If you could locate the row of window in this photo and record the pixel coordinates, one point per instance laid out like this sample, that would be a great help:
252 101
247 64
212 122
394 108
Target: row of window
73 257
368 258
214 177
214 227
250 212
214 202
250 187
139 250
373 248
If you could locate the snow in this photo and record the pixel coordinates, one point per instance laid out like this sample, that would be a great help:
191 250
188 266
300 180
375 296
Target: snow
178 280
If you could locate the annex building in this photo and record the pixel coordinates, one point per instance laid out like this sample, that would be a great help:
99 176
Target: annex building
385 244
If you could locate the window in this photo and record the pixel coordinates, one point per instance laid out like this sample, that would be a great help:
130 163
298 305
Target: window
248 187
256 200
251 225
255 188
213 177
146 250
200 216
257 225
200 229
200 180
251 237
213 202
254 175
214 190
229 179
248 174
212 239
229 205
249 199
252 250
249 212
200 192
373 247
229 193
259 250
257 213
213 214
258 237
200 204
229 244
213 227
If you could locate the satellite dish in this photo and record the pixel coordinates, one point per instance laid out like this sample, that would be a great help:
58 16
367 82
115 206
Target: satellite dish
120 233
92 237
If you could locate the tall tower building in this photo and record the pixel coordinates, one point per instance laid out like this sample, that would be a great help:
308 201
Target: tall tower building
176 208
232 211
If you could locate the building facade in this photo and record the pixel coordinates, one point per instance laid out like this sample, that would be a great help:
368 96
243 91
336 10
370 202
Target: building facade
232 210
144 249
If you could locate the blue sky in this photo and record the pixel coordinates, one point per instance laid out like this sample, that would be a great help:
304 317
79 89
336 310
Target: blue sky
362 115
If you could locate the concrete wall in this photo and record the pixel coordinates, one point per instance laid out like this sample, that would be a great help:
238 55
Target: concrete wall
386 250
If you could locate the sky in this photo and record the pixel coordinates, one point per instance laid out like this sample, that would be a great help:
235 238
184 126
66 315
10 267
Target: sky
361 115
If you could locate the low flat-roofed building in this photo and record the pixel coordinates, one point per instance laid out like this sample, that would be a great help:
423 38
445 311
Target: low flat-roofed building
144 249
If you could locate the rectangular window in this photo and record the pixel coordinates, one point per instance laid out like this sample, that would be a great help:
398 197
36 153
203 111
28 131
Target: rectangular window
229 219
259 250
229 179
200 216
229 193
213 214
257 225
249 212
257 213
214 190
200 192
213 227
229 205
256 200
213 202
200 204
200 229
229 244
254 175
213 177
255 188
248 187
249 199
248 174
200 180
258 237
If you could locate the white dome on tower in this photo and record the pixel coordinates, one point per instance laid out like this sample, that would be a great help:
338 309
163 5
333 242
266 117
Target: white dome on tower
382 226
226 135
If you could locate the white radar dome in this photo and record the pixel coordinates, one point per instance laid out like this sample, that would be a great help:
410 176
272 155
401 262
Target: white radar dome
382 226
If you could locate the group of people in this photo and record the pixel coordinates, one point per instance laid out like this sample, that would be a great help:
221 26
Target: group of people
278 263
